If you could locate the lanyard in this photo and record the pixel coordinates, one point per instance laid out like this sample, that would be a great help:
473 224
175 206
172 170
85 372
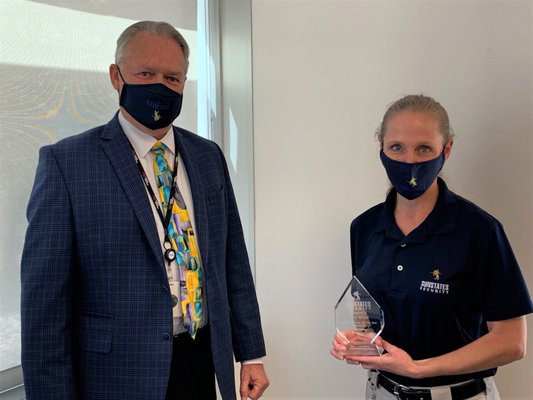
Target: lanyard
170 254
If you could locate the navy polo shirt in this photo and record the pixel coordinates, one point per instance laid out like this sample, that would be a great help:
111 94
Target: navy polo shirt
440 284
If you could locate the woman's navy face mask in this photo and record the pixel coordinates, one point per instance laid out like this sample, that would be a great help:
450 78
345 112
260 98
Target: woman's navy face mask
411 180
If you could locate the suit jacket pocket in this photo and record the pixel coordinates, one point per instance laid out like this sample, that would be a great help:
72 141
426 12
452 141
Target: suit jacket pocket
94 333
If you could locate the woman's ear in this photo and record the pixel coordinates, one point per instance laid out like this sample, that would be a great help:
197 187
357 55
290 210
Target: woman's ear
448 149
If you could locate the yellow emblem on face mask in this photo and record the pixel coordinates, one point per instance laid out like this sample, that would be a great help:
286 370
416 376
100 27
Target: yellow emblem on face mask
412 182
156 115
436 274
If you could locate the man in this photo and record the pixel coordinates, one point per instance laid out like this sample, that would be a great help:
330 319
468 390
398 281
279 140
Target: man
135 278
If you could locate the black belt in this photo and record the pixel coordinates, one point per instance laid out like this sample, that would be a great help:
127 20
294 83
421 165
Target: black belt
459 392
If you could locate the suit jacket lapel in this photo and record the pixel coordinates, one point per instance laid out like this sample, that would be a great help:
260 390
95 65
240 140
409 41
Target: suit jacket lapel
198 196
118 150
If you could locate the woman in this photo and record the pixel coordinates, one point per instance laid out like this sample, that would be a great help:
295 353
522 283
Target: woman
441 269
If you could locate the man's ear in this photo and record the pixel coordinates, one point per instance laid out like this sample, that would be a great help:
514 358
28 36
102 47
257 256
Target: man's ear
114 76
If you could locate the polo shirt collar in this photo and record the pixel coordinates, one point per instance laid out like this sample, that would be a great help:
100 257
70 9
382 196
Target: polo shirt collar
443 218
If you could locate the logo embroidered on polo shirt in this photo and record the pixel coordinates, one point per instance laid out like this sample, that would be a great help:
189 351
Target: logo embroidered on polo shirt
435 286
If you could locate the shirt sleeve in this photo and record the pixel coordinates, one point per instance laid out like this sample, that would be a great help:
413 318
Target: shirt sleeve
503 290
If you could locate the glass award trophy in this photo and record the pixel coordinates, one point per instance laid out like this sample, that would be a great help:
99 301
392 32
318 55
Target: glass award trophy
360 319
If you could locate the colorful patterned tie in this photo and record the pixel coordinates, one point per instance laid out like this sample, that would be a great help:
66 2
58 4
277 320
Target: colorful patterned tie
187 281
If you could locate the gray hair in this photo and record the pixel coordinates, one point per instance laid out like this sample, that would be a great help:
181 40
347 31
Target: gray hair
163 29
420 103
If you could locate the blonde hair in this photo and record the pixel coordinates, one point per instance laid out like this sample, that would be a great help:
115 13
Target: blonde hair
417 102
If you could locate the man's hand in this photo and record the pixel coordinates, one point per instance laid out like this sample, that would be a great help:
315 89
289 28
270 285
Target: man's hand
253 381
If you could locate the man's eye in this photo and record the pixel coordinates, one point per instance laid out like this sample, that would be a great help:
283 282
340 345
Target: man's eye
144 73
173 79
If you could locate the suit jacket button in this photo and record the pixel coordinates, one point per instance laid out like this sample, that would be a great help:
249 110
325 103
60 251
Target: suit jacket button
166 336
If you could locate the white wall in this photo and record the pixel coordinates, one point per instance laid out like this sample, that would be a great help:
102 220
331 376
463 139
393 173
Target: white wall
323 74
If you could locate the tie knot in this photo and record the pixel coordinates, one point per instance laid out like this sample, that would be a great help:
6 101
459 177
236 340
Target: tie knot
158 148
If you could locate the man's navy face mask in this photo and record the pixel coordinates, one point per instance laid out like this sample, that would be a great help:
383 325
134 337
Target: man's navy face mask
411 180
153 105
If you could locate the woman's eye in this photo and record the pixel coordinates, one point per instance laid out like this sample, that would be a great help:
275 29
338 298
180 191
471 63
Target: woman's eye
424 149
395 147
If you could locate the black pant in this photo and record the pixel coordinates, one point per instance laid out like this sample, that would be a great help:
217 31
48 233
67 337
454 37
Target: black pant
192 375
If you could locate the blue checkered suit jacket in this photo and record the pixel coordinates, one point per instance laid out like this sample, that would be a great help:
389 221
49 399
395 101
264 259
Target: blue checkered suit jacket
96 310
